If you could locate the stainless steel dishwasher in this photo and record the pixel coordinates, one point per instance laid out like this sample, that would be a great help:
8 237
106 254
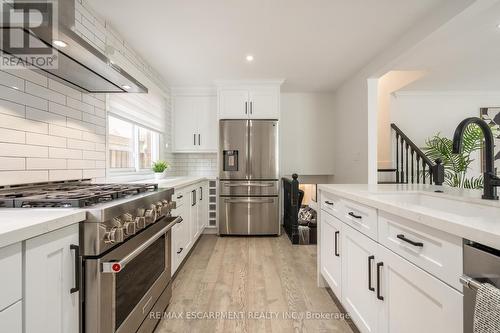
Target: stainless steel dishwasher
481 264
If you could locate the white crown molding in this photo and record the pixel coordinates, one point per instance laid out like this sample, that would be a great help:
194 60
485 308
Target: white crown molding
264 82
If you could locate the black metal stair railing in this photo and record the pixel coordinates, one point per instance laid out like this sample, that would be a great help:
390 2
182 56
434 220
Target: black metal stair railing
412 166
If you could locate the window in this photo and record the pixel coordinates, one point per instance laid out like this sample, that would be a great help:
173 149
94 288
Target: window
132 148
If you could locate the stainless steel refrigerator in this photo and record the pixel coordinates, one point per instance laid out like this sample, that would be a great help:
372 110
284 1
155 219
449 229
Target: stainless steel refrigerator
248 177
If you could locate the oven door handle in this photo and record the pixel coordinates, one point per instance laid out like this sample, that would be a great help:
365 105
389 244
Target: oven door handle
118 265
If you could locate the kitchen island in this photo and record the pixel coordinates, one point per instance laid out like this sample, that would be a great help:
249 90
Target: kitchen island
393 254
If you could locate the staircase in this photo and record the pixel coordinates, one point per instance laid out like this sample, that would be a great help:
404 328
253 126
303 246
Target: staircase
410 164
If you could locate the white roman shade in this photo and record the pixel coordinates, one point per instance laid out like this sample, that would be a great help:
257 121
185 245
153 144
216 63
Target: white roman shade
149 109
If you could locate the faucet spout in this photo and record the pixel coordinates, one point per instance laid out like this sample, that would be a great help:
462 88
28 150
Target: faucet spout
490 179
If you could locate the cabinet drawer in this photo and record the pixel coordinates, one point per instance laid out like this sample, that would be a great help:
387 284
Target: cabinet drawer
11 319
12 276
331 204
179 197
360 217
436 252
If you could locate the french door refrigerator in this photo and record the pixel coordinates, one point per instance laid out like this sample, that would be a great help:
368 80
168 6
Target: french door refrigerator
248 177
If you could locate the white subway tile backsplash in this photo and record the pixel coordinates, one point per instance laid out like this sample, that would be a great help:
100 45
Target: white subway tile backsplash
94 120
65 153
12 136
100 147
100 164
64 89
45 163
22 124
64 132
65 111
93 155
82 164
22 150
45 117
10 80
45 93
89 99
78 105
65 174
45 140
12 163
80 144
12 109
21 177
94 137
28 75
80 125
17 96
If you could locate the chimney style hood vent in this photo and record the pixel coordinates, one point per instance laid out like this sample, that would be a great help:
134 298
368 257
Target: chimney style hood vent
79 64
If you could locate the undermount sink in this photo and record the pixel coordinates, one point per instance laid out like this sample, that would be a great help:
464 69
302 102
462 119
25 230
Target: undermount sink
442 205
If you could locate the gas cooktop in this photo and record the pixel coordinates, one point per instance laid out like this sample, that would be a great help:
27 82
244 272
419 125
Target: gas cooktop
68 194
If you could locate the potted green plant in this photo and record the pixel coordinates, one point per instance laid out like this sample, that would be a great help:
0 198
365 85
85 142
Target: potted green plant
159 168
456 166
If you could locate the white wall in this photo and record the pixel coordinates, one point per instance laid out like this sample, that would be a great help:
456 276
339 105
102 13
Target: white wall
306 128
351 98
422 114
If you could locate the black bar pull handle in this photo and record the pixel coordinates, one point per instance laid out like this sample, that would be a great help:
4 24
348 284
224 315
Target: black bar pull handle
329 203
199 139
379 266
355 216
78 265
337 243
246 107
194 139
180 250
193 197
201 193
409 241
370 259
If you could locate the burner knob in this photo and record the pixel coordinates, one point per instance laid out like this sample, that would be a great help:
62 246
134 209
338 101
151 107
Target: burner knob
159 208
150 215
129 228
128 217
140 222
115 235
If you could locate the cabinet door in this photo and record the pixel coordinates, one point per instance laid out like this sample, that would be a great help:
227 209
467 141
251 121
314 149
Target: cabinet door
264 103
233 104
185 124
359 255
11 318
207 123
415 301
50 307
202 207
195 230
331 264
176 246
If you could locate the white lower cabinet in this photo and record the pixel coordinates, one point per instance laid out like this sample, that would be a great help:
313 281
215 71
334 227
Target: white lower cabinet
415 301
383 291
50 302
358 280
192 207
331 263
11 318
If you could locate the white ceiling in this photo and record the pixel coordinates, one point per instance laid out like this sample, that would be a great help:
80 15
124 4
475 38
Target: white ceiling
463 55
313 44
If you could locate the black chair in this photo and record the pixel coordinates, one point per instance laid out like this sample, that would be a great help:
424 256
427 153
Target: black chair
292 200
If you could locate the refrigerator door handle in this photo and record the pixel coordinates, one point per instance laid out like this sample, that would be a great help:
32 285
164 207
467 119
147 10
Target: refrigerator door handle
249 201
249 184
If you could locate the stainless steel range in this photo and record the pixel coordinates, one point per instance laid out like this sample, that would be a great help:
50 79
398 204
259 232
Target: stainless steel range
124 251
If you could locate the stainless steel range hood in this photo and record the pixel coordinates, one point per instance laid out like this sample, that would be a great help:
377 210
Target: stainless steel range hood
79 64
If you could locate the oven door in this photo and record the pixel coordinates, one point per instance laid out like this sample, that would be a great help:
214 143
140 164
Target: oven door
124 285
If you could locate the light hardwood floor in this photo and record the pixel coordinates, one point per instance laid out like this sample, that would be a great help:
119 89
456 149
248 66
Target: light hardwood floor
234 275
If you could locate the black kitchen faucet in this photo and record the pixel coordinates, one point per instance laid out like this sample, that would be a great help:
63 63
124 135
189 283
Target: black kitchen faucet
491 181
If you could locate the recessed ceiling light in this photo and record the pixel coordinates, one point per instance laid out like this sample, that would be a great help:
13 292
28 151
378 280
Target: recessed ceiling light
60 43
14 87
498 25
249 58
126 87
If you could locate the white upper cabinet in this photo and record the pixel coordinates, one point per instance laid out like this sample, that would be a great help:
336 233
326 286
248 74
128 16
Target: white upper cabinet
233 104
195 123
264 103
254 100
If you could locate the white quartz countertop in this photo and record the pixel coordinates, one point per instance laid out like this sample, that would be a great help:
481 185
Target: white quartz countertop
175 182
18 224
474 218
